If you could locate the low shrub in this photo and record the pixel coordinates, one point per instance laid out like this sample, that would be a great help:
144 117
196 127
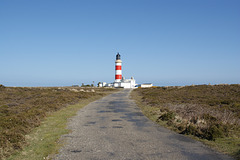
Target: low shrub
167 116
214 131
190 130
209 118
210 133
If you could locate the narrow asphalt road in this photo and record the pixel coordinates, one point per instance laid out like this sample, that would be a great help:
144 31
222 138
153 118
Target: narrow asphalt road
115 128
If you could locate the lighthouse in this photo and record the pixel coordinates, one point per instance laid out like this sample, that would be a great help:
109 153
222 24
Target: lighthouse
120 81
118 68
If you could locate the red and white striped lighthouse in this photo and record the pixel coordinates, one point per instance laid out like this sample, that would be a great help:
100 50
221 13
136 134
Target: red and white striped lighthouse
118 68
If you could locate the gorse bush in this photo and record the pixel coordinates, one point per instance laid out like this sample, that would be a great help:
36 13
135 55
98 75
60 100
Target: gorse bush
167 116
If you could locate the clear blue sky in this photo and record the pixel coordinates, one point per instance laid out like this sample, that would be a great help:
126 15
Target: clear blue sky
166 42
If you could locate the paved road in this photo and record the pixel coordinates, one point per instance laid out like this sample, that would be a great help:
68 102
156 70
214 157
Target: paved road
114 128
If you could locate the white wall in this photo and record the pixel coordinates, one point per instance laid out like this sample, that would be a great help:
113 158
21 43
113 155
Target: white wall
146 85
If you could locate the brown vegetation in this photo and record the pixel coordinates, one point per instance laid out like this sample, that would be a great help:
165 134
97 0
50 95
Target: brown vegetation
205 111
22 109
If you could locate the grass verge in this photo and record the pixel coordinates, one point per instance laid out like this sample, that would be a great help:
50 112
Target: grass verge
43 141
206 113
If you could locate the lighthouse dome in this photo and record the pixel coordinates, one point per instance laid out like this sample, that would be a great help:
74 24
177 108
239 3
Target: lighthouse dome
118 56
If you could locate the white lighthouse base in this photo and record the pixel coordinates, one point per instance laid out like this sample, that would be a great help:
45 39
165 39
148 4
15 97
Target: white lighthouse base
125 83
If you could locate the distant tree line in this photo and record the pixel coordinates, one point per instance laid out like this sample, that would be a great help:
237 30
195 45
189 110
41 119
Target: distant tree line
87 85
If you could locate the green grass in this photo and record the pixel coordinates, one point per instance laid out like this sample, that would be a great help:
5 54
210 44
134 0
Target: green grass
210 114
227 145
43 141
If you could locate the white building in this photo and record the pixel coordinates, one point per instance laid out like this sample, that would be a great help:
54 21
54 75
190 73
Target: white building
146 85
125 83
